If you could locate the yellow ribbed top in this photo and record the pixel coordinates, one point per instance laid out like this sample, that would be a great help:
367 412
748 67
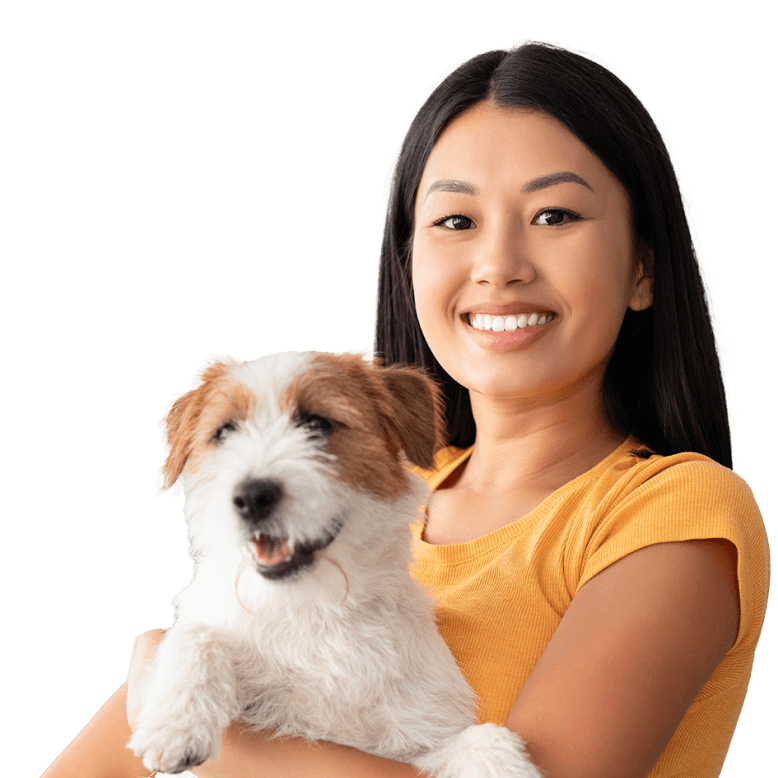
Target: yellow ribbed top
500 597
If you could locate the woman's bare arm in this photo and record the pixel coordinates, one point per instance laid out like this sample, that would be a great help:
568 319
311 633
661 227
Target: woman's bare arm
633 650
100 751
247 754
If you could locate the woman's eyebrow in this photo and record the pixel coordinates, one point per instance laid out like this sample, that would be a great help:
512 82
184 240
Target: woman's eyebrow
452 185
534 185
564 177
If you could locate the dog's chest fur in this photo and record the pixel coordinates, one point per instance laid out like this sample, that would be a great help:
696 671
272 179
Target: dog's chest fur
367 679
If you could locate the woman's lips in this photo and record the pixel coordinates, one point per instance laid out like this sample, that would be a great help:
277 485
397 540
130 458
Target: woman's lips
507 339
485 321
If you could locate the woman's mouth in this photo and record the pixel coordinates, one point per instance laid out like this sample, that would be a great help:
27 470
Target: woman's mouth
494 323
512 332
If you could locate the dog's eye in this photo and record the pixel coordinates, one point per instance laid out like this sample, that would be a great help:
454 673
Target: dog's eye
220 433
315 424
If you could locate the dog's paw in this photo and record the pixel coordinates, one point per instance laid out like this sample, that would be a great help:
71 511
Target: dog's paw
480 751
170 749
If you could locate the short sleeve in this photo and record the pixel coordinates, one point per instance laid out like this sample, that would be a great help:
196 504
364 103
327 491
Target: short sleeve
689 500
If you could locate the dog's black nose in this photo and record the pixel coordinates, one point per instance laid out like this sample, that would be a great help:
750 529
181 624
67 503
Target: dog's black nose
255 500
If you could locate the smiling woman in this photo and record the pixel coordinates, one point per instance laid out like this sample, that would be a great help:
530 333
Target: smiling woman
601 573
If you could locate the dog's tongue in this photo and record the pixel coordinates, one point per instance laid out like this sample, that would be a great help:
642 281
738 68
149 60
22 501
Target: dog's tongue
271 551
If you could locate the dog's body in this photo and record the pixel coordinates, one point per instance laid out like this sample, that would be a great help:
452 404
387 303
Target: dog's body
302 617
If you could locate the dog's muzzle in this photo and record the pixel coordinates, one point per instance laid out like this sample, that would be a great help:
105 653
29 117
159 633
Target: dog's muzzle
273 557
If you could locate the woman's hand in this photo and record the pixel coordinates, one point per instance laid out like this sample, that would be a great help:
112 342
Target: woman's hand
143 654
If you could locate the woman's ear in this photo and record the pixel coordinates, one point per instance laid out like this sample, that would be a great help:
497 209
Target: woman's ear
642 296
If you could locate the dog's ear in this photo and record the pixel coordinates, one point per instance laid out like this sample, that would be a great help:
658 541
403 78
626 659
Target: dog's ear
183 421
416 413
177 430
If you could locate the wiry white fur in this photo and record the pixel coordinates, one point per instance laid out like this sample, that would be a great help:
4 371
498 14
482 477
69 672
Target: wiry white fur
346 652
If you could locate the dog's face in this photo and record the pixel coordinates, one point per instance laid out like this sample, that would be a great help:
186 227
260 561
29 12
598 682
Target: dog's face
273 451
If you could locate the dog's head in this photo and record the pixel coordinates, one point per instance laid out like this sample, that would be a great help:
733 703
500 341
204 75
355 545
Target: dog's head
275 448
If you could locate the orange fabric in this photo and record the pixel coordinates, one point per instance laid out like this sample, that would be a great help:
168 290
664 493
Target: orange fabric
501 597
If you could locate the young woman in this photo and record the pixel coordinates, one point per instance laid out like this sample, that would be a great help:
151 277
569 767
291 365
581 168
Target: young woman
602 574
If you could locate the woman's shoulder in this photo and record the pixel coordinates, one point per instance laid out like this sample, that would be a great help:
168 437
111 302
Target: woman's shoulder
685 478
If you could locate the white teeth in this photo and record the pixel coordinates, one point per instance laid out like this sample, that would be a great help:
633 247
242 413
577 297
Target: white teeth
485 321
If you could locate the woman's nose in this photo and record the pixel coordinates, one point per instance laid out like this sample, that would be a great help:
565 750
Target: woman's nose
502 258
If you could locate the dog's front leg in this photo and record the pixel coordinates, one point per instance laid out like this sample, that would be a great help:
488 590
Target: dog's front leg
189 702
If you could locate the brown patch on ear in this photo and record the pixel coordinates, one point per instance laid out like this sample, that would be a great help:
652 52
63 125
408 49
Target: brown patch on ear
195 417
416 412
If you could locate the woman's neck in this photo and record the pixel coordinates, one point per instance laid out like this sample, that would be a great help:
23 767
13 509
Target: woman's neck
523 447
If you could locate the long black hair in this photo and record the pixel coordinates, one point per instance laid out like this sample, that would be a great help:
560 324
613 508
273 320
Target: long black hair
663 382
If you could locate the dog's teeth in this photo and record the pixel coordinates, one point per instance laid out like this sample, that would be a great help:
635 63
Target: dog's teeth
270 551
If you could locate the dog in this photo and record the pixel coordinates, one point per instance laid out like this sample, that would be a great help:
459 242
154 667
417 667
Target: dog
302 617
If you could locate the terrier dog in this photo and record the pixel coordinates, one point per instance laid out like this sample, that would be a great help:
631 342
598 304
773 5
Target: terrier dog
302 617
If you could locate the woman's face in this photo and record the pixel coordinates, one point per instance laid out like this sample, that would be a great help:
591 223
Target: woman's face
514 215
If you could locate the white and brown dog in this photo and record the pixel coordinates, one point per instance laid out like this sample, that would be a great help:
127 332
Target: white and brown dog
302 617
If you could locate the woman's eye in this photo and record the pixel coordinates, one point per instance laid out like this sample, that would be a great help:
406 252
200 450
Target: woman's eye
455 222
553 217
